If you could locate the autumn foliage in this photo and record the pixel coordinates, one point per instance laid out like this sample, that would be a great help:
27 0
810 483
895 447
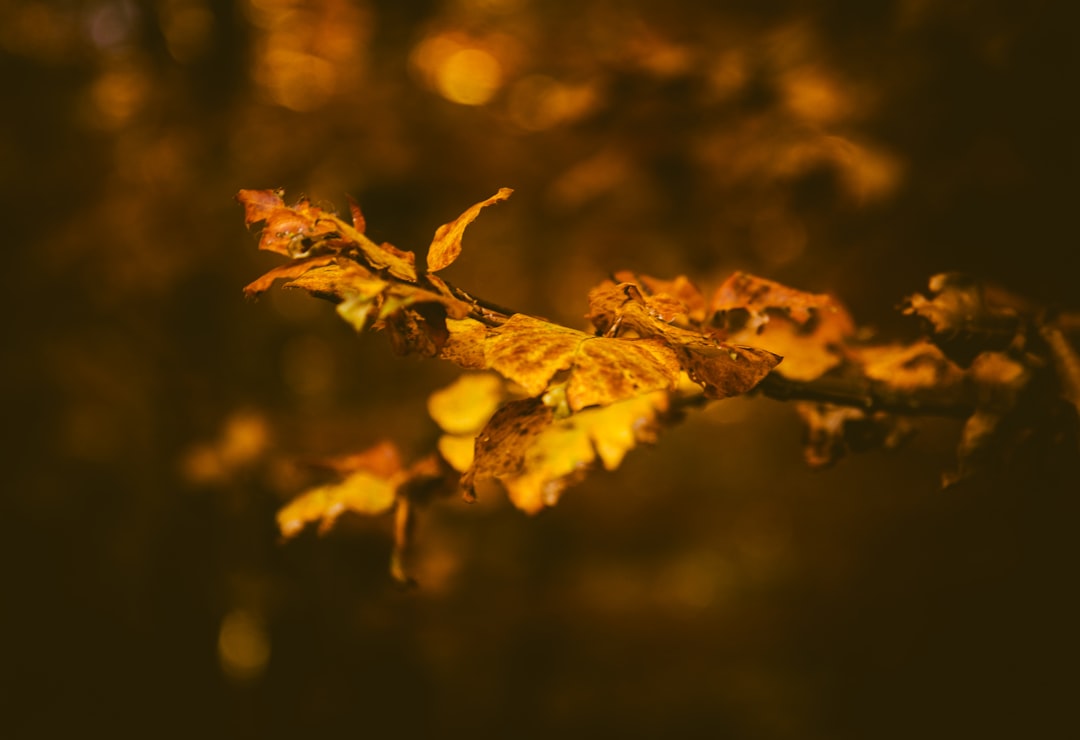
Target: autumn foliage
544 404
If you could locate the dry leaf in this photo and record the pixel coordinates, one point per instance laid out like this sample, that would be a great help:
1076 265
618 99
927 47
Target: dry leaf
964 323
464 345
834 431
807 329
721 369
304 229
536 456
446 246
531 352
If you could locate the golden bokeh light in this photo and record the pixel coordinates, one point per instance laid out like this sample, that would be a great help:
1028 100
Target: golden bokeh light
469 77
116 96
296 80
308 54
243 441
187 26
464 70
243 646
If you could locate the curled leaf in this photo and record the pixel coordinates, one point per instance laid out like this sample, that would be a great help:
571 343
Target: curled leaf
446 246
536 456
288 271
303 230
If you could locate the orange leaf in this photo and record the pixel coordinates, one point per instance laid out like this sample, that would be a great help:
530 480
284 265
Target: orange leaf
446 246
722 369
297 231
757 295
531 352
289 270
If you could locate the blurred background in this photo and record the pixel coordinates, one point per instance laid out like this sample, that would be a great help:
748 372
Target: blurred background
711 586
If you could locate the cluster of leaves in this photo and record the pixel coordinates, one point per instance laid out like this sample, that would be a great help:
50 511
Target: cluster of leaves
546 403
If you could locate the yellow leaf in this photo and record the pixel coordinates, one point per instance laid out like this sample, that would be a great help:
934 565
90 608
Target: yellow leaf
457 450
464 406
536 456
446 246
371 481
362 492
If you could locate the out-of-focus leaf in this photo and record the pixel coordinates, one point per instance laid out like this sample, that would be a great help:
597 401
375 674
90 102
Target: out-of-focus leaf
990 432
807 329
446 246
536 456
369 487
1066 364
758 295
964 324
806 356
464 406
835 431
462 409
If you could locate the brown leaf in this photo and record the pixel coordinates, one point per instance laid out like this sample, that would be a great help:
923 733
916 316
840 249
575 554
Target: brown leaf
834 431
531 352
446 246
536 456
964 323
722 369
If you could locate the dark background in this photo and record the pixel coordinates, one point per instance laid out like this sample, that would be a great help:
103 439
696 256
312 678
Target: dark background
712 585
